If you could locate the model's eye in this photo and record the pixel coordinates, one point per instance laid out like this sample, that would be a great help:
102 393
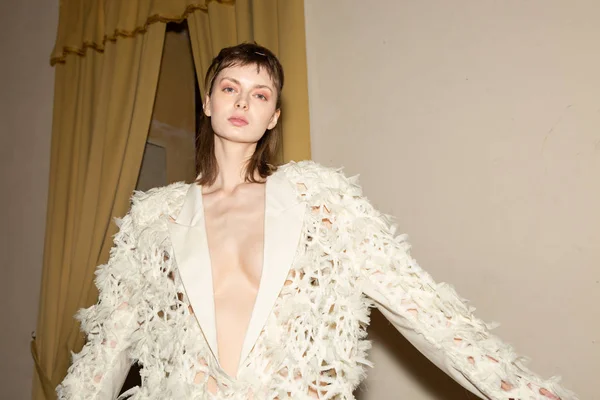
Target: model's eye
228 89
261 96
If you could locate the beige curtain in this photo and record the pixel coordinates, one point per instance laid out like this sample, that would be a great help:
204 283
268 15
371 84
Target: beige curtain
107 57
277 25
102 109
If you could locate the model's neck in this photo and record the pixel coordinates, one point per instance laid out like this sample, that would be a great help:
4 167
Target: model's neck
232 159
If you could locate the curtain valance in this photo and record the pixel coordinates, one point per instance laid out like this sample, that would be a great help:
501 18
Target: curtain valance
87 25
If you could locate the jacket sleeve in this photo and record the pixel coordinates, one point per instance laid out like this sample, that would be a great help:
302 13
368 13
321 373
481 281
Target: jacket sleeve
100 368
434 318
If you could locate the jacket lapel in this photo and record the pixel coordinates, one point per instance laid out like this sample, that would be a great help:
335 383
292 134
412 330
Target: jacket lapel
284 217
188 236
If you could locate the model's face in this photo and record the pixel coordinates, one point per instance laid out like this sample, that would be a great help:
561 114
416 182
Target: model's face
242 105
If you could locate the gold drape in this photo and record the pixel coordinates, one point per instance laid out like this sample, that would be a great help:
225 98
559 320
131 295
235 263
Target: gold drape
102 110
91 24
107 57
277 25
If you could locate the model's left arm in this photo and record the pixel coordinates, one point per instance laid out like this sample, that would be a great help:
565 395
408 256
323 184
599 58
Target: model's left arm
432 316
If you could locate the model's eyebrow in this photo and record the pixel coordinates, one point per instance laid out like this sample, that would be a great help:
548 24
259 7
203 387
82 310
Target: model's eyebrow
239 83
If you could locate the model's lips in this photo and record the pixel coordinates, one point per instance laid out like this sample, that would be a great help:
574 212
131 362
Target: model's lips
238 121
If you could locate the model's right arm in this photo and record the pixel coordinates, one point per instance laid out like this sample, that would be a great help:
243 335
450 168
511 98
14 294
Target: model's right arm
99 370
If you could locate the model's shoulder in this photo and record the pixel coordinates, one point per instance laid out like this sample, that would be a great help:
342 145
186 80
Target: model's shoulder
318 176
159 200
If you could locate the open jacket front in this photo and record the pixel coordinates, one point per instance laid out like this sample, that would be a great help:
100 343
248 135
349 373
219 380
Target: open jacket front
328 257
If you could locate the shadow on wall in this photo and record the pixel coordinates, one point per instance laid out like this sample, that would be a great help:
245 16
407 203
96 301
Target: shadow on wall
434 382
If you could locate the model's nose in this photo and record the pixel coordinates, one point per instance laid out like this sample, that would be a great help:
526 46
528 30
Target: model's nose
241 103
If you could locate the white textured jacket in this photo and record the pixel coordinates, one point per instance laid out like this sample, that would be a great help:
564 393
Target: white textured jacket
328 257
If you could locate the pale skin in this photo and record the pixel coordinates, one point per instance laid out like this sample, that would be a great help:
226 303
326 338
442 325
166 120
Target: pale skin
242 106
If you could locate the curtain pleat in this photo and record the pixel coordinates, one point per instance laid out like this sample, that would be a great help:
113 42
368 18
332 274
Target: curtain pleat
91 24
103 108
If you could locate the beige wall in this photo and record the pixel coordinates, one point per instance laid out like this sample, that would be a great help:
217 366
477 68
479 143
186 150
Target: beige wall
28 32
475 123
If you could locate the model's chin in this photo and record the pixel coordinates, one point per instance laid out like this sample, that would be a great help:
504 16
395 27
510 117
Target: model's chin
239 137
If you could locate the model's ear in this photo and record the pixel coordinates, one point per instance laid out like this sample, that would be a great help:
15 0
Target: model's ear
206 106
274 119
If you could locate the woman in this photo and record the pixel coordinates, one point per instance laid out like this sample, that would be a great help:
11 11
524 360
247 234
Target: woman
255 282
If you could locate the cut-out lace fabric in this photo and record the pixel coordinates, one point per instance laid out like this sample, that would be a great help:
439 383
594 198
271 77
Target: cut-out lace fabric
313 344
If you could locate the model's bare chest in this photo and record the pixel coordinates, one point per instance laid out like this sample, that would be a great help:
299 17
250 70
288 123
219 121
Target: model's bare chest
235 235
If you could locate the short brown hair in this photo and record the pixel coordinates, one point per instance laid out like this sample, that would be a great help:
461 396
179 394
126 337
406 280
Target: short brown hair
264 158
